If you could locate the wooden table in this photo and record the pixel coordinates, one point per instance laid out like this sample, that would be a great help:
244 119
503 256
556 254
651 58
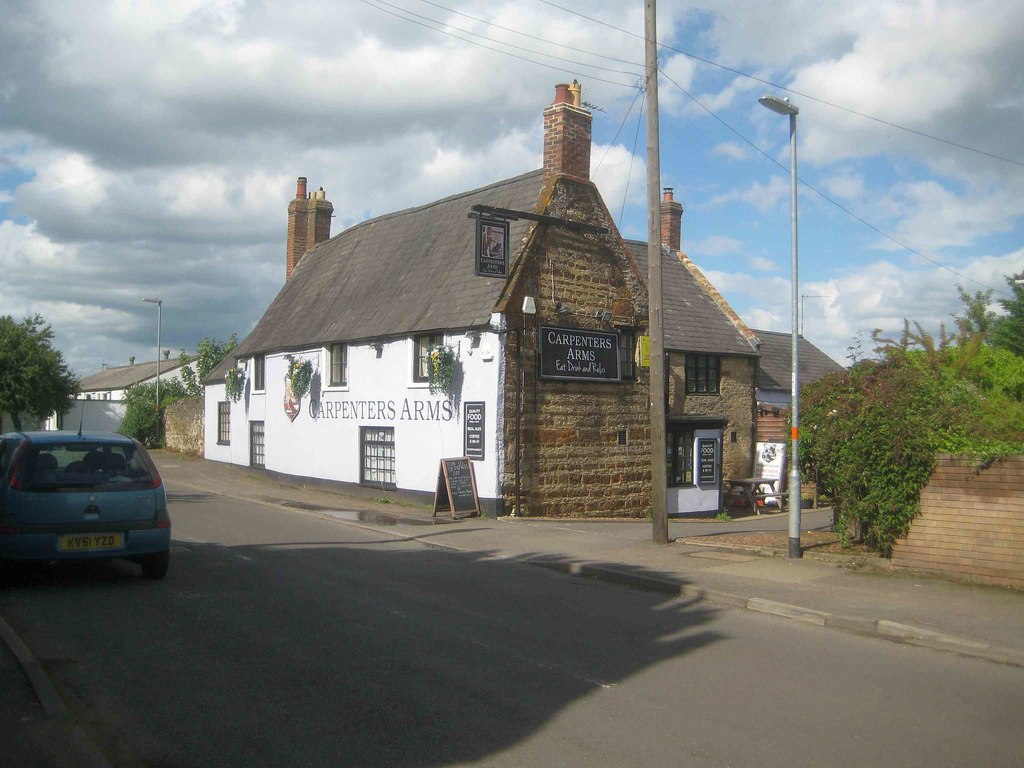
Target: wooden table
752 488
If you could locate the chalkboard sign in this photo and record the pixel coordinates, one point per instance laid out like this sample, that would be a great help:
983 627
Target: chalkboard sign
456 488
707 459
475 427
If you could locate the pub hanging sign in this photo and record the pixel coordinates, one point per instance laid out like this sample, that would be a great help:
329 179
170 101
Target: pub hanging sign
491 247
575 354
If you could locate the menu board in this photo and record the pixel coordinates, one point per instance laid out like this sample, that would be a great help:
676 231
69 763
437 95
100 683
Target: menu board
456 488
474 429
707 459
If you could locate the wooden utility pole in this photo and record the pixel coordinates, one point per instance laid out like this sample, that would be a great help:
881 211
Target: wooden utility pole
659 481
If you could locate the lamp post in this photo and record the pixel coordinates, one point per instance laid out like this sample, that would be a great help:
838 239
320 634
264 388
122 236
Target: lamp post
159 308
783 107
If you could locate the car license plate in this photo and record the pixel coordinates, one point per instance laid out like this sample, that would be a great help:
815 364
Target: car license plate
90 542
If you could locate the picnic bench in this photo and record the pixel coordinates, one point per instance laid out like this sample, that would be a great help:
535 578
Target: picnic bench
754 490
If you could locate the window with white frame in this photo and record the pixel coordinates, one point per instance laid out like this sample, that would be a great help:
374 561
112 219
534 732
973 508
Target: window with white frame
338 358
224 423
423 345
259 365
377 456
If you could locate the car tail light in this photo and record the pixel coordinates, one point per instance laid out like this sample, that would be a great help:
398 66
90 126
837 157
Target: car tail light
153 471
17 460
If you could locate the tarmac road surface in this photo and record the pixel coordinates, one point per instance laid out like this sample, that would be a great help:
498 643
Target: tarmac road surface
285 638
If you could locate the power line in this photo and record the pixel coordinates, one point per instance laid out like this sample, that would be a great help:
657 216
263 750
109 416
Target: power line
532 37
802 95
818 192
632 154
625 117
379 5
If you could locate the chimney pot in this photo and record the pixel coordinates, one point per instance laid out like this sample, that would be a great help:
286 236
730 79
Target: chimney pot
562 94
668 194
300 188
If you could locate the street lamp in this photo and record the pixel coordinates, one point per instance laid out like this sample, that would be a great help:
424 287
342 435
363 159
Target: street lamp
783 107
159 307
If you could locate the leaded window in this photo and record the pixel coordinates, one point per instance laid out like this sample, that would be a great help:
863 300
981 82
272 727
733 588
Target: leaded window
377 461
702 375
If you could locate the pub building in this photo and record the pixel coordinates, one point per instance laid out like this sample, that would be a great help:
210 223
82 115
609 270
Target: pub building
530 312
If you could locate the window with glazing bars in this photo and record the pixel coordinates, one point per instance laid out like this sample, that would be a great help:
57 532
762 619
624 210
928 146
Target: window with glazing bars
701 374
377 465
679 456
627 349
339 365
421 365
224 423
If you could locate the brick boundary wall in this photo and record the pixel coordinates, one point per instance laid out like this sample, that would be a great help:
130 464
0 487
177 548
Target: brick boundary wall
183 426
971 523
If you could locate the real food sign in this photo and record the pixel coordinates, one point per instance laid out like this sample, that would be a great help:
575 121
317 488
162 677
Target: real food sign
579 355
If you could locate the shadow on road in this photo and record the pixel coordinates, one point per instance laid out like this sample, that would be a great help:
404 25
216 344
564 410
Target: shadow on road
341 653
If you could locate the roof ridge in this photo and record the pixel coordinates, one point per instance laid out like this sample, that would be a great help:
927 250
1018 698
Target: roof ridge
441 201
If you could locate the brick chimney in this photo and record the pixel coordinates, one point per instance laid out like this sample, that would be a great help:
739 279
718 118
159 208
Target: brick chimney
567 134
671 221
309 223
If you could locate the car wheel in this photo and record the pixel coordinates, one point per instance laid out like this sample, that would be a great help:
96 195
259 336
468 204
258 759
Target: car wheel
155 566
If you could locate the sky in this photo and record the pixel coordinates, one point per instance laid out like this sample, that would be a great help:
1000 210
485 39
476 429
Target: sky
150 149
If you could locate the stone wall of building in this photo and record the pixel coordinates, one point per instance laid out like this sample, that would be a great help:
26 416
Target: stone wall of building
183 426
734 403
585 445
971 523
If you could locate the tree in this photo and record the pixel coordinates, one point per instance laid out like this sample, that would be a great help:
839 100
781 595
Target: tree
209 352
140 417
34 378
1008 330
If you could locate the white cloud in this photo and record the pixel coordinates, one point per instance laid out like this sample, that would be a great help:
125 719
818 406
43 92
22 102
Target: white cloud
621 176
715 245
731 150
761 264
762 196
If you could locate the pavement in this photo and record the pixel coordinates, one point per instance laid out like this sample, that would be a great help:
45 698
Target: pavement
833 592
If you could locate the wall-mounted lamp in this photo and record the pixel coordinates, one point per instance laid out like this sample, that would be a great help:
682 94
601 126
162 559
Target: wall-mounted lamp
529 305
474 341
562 309
603 315
378 347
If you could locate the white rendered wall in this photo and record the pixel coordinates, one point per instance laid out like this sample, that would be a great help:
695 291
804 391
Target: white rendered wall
323 441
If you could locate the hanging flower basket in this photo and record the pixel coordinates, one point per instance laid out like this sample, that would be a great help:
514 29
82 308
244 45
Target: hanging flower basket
442 371
300 374
234 384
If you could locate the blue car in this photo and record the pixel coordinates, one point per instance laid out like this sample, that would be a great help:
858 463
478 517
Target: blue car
70 496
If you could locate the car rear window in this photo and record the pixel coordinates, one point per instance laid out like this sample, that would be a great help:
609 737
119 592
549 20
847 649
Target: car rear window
76 466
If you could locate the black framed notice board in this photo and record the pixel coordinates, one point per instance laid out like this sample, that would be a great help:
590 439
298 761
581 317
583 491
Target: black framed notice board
456 488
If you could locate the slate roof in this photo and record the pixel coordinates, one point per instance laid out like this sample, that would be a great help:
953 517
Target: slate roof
406 272
775 371
693 320
123 376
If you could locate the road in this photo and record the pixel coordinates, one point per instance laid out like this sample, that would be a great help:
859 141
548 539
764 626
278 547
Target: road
282 638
